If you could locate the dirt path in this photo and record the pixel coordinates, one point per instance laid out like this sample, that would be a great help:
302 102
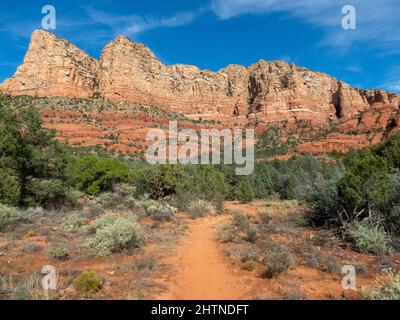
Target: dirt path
199 270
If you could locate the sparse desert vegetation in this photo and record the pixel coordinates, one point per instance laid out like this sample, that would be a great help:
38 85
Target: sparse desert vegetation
114 226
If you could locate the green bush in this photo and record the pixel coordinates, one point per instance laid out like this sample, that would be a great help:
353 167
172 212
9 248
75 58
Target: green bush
365 183
48 193
277 261
369 238
245 192
389 150
289 179
159 181
205 182
114 234
249 265
388 288
325 202
93 175
88 282
10 217
9 188
392 207
57 251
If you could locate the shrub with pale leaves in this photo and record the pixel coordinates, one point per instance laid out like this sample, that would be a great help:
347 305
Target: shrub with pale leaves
114 233
158 210
201 208
10 217
387 288
369 238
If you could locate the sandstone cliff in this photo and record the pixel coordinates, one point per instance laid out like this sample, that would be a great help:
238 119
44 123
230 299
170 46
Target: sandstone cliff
128 71
54 67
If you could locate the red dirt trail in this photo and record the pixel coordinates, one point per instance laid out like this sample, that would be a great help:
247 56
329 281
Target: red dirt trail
200 271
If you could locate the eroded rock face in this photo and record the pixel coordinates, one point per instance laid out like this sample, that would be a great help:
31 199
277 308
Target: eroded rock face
266 91
130 71
54 67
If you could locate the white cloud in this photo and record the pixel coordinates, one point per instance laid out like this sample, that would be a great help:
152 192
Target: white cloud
131 25
377 21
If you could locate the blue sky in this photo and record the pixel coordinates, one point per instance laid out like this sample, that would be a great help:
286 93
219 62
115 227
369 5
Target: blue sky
214 33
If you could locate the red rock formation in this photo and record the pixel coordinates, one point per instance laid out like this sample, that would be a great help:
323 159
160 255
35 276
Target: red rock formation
127 71
53 67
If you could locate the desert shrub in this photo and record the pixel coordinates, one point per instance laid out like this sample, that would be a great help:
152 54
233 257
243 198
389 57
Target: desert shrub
369 238
31 248
392 206
102 222
265 218
145 266
183 184
114 234
364 184
387 288
49 193
330 265
10 217
201 208
93 174
247 253
240 221
29 288
290 179
227 233
159 181
36 211
277 261
109 200
73 223
88 282
389 150
251 234
9 188
368 189
249 265
57 251
159 211
205 182
245 192
325 202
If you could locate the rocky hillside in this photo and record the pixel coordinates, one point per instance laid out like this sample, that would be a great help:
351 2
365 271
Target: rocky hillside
298 99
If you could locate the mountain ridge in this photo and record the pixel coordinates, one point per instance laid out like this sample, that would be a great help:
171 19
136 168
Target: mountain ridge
268 91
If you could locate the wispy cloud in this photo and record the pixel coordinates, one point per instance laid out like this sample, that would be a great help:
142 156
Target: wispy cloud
377 21
355 68
393 86
131 25
116 24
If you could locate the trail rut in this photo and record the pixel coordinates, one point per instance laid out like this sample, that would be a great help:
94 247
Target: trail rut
199 269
